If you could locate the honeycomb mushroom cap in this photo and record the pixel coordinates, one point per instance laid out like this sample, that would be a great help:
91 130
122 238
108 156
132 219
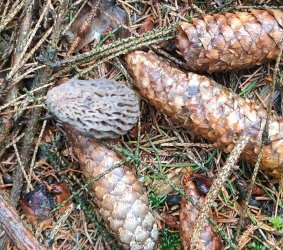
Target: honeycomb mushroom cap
99 108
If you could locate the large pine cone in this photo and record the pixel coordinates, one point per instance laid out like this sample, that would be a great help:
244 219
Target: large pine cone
231 41
208 109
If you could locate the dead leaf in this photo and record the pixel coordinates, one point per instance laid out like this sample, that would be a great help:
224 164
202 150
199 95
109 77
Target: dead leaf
39 205
99 24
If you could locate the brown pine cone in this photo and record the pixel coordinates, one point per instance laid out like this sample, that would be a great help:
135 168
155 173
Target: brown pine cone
209 239
231 41
119 195
207 109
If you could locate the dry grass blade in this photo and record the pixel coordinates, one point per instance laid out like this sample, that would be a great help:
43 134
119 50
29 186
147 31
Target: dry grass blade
216 187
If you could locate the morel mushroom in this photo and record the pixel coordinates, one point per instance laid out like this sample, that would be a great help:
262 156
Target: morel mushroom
231 41
99 108
105 108
208 109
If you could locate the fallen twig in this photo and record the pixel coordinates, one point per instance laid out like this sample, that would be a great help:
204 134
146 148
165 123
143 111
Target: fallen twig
22 237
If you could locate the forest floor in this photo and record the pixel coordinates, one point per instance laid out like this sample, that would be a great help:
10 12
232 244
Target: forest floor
45 43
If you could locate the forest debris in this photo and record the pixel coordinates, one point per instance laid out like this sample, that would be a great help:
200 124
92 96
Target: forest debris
161 189
208 109
100 108
61 193
231 41
22 237
39 205
171 221
242 188
208 239
147 25
246 236
203 183
91 29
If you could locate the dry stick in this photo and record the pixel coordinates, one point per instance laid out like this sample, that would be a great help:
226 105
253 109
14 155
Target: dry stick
124 50
31 53
21 165
35 115
15 140
115 46
114 52
25 74
153 47
264 141
216 186
187 145
21 109
238 7
21 236
4 10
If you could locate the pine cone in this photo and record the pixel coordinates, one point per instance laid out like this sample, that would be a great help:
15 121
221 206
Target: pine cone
209 239
208 109
119 195
231 41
